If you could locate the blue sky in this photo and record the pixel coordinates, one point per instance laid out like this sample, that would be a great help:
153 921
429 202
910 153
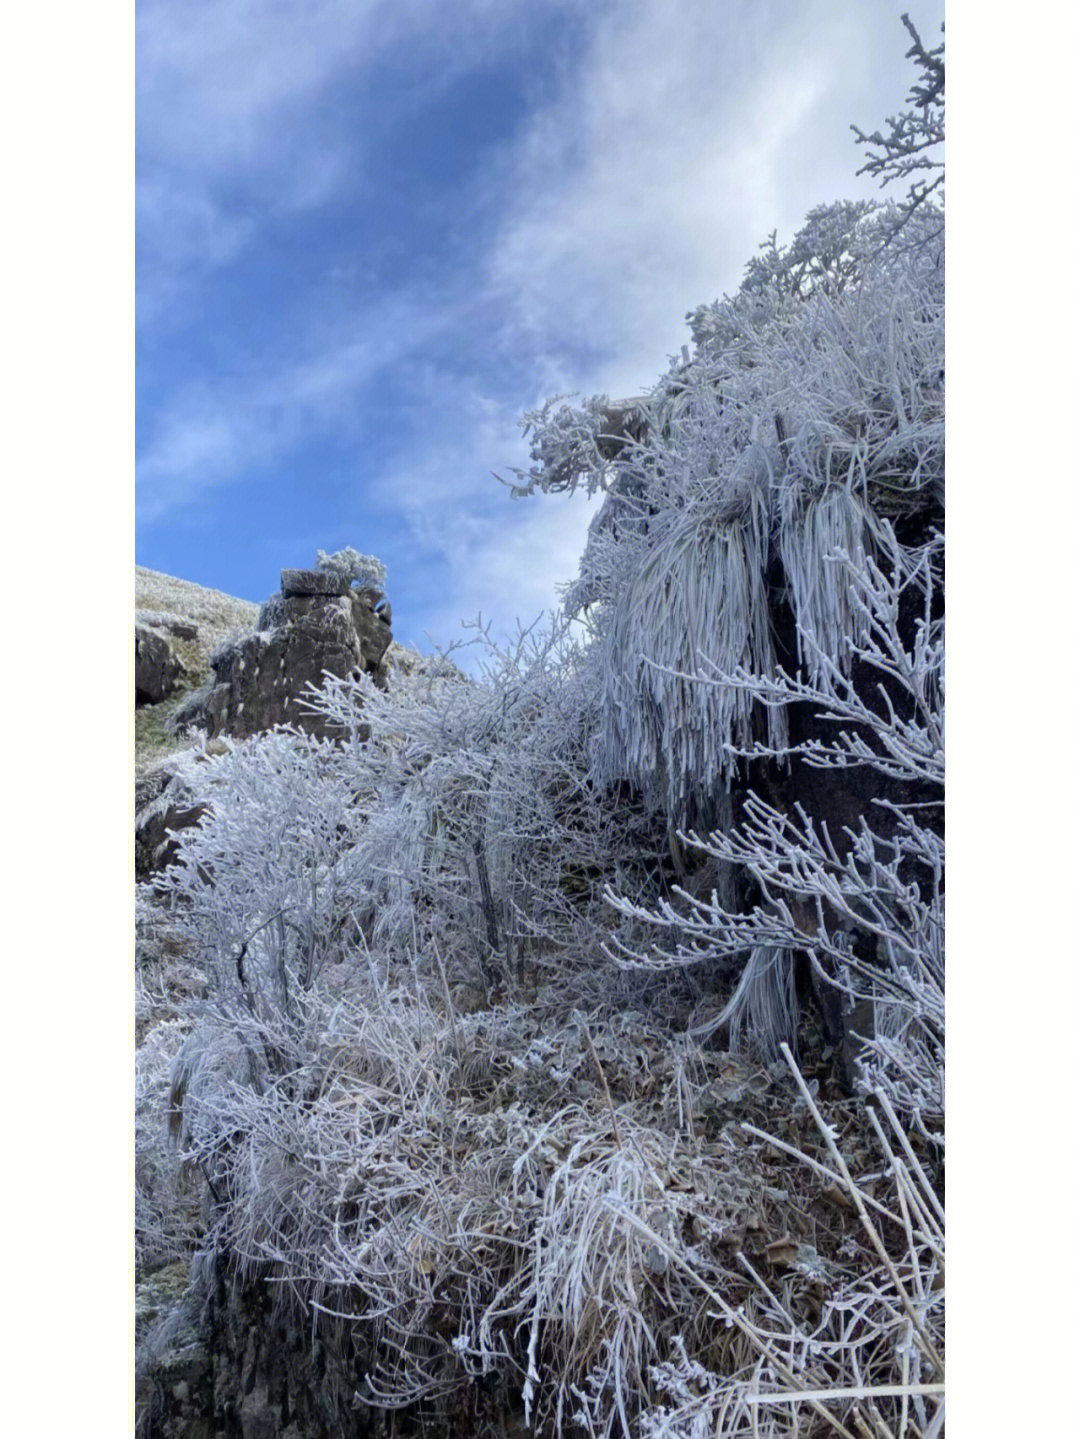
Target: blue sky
369 235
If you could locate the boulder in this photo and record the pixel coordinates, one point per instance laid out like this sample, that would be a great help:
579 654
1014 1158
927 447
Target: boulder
261 679
162 804
157 670
174 1374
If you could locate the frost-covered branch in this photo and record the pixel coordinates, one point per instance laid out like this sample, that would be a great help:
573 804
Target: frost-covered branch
910 145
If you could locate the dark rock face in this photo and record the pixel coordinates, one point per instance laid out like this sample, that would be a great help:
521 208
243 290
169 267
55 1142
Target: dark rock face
372 627
161 805
157 670
174 1387
261 680
838 801
235 1365
235 1360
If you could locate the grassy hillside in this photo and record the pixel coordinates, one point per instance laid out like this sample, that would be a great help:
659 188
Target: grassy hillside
217 616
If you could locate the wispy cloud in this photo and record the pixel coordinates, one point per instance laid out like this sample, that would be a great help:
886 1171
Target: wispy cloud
209 435
644 186
639 191
513 567
502 559
184 233
250 109
217 82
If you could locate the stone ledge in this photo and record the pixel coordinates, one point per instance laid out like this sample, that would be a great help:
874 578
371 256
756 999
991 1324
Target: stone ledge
156 619
312 582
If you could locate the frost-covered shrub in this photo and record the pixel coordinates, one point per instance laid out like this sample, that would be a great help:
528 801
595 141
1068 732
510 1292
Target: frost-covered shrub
866 906
443 1186
487 831
266 889
456 834
364 571
802 422
873 1346
267 880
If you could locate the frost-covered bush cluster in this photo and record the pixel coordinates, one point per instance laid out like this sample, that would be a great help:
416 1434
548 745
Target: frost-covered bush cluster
364 571
798 429
881 882
496 1069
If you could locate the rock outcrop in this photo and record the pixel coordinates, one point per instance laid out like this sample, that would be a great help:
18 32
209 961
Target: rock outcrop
162 804
233 1364
236 1360
194 622
210 669
157 670
315 625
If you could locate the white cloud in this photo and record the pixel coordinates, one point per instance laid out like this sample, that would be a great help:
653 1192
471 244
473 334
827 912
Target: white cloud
183 233
504 559
206 436
639 192
216 82
514 568
507 563
237 112
644 188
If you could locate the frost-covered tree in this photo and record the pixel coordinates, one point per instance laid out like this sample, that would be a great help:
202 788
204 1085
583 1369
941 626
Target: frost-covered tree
780 497
911 146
